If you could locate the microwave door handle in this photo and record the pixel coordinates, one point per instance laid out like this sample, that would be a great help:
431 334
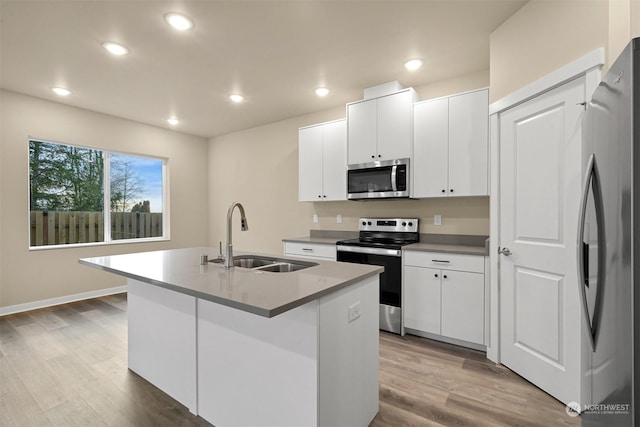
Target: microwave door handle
394 185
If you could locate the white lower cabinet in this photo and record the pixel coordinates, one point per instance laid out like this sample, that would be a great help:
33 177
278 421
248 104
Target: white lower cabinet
444 294
422 299
463 306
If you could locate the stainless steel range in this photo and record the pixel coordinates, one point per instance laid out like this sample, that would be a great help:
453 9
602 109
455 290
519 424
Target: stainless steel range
380 243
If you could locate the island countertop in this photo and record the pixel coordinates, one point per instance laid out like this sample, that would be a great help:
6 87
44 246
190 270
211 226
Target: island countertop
260 292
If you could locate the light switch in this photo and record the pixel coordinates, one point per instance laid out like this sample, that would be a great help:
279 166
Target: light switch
339 219
315 218
437 220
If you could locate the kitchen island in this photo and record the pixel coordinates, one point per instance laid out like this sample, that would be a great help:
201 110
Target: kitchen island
252 347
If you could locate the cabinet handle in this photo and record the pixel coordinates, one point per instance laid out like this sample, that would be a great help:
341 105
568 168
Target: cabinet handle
451 190
444 191
307 249
373 157
435 275
324 196
444 277
319 196
379 155
441 261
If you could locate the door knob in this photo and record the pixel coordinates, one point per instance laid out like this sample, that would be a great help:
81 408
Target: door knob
504 251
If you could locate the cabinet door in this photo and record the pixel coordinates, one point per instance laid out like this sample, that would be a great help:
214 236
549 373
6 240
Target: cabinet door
310 164
362 141
468 144
421 309
335 161
395 126
430 151
463 306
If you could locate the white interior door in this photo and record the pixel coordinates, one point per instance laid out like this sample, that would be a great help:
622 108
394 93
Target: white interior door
540 184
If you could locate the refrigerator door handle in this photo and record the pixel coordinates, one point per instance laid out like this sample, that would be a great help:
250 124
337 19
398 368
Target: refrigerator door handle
591 181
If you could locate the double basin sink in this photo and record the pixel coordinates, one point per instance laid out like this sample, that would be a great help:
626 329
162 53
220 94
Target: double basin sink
270 264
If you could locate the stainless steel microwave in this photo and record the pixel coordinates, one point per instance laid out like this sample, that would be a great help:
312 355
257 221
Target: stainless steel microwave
378 180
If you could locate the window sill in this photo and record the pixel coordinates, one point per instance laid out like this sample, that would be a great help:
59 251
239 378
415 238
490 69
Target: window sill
93 244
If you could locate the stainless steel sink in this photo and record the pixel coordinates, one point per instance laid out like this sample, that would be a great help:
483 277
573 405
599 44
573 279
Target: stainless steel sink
270 264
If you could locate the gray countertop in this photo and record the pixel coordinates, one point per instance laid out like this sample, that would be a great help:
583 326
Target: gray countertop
264 293
315 240
449 243
446 248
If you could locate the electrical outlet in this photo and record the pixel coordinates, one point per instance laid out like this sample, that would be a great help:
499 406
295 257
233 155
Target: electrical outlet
354 311
339 219
437 220
315 218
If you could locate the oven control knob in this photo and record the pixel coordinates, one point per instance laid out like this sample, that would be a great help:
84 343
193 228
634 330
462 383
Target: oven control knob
404 224
410 224
369 223
364 223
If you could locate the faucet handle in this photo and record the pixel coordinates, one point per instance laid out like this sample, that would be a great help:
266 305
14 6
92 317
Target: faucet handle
220 255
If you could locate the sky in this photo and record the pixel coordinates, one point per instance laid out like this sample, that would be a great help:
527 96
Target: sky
150 172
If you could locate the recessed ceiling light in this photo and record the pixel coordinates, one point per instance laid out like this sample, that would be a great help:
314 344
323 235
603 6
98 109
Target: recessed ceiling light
115 48
322 91
173 121
413 65
61 91
178 21
236 98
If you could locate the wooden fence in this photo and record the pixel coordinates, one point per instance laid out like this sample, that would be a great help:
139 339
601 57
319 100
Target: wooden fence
60 228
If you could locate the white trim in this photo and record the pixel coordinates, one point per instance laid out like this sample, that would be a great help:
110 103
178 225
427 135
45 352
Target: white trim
593 59
493 344
109 243
448 340
323 123
18 308
424 101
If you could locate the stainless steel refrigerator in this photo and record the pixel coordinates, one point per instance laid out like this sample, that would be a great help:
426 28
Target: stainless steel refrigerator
609 247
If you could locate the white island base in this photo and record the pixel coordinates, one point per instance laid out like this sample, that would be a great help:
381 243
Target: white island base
314 365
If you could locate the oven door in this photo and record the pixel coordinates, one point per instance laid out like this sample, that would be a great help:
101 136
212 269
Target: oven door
390 280
385 179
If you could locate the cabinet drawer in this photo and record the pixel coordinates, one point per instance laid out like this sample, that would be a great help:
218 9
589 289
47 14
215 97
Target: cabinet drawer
314 250
445 261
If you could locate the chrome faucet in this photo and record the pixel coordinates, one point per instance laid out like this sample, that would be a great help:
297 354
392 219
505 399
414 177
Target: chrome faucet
228 258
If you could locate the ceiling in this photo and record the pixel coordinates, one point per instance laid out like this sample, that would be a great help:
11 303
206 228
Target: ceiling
275 53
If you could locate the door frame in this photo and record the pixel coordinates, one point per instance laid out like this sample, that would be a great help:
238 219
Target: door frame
590 66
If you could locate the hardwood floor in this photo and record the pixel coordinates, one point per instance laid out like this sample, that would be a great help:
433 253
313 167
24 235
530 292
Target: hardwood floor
67 366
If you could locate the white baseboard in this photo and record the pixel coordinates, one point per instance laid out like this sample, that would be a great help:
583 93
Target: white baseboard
18 308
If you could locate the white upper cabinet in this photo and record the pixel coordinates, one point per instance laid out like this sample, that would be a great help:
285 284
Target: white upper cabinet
395 126
381 128
451 153
362 131
322 160
468 144
431 148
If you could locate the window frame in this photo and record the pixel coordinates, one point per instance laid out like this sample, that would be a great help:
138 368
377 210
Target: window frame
106 212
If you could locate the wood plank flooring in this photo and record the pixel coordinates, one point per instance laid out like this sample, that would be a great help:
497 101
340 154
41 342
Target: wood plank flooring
67 366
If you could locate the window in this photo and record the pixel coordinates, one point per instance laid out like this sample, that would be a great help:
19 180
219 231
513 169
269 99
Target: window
70 187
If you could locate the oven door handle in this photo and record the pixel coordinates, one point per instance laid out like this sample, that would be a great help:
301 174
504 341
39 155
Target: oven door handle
369 251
